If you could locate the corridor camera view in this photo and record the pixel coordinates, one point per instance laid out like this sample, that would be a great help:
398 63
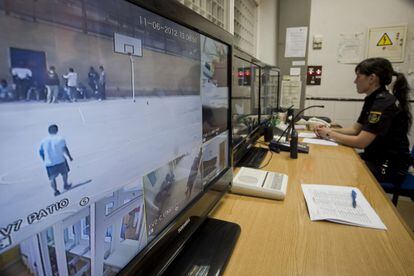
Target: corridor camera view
214 90
215 156
169 188
102 130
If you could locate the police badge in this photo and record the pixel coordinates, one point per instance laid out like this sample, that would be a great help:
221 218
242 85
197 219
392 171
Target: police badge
374 117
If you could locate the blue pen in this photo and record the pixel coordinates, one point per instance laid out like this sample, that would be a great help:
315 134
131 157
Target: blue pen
353 195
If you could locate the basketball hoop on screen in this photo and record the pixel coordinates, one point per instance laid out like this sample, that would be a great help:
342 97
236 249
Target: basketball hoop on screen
131 46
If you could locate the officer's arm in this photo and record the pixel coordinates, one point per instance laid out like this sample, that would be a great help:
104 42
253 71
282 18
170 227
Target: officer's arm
355 129
361 141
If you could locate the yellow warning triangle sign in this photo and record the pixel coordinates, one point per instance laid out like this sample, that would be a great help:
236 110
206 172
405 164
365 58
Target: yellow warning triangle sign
384 40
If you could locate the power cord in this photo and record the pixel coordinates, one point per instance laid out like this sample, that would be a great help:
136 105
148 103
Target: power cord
268 161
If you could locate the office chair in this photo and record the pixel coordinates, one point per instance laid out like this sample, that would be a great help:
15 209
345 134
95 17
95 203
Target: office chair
406 188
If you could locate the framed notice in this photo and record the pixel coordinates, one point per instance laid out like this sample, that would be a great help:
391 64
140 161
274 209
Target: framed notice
290 91
387 42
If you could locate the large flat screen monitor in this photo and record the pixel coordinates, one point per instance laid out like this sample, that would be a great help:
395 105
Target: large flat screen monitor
115 133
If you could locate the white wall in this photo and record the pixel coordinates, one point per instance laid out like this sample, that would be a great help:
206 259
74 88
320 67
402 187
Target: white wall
331 18
267 31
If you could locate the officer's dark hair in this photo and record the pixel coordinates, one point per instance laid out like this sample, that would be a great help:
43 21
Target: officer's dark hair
53 129
382 68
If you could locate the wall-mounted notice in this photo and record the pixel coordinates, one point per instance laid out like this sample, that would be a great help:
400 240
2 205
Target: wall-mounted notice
351 47
290 91
298 63
295 71
296 41
387 42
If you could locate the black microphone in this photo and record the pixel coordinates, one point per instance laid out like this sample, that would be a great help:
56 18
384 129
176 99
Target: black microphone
277 146
289 112
300 112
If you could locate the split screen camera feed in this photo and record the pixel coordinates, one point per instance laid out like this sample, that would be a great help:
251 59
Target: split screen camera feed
113 120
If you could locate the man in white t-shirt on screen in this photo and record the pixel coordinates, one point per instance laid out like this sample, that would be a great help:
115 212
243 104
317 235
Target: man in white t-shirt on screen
72 84
52 151
21 77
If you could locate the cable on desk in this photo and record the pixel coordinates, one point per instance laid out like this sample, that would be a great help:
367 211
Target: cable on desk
268 161
263 143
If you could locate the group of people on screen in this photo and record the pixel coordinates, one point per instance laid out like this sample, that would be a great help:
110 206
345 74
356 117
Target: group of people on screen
52 88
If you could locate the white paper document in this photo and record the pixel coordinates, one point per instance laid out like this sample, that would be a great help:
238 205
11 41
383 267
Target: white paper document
319 142
351 47
335 203
296 41
290 93
307 135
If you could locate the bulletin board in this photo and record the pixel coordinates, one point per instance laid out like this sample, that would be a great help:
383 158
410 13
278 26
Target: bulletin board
387 42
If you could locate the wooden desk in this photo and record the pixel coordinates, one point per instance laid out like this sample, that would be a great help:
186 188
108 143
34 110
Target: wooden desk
278 238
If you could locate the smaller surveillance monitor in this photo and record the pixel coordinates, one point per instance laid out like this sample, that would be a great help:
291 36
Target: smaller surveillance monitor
245 111
269 88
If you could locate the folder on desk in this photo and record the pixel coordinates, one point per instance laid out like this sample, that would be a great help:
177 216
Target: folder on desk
340 204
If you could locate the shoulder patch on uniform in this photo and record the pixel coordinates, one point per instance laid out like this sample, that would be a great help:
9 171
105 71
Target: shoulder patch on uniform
380 95
374 117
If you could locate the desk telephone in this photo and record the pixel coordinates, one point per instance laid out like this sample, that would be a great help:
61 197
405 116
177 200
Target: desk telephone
314 120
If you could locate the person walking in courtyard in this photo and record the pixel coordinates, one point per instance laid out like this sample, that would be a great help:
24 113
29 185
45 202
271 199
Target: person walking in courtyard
53 150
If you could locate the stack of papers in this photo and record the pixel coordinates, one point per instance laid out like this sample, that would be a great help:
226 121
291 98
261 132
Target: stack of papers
335 203
319 142
307 135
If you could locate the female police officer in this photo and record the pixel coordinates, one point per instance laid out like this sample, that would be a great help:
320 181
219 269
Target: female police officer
385 120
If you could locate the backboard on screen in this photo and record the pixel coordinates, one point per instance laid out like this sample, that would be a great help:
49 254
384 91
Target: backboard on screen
124 44
103 159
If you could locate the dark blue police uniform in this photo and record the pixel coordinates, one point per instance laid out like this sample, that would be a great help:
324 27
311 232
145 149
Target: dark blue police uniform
388 156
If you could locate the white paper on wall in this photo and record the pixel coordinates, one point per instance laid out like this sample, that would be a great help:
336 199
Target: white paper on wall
296 41
351 47
290 91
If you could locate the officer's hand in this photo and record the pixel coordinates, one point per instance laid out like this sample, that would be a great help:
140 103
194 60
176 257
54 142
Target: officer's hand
323 132
317 130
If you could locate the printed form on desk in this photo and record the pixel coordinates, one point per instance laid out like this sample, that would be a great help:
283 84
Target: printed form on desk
319 142
335 203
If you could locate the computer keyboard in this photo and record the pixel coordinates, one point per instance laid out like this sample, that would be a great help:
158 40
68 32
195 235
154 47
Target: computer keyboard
253 158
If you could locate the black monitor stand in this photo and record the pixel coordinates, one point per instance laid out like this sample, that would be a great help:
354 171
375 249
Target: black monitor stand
208 250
